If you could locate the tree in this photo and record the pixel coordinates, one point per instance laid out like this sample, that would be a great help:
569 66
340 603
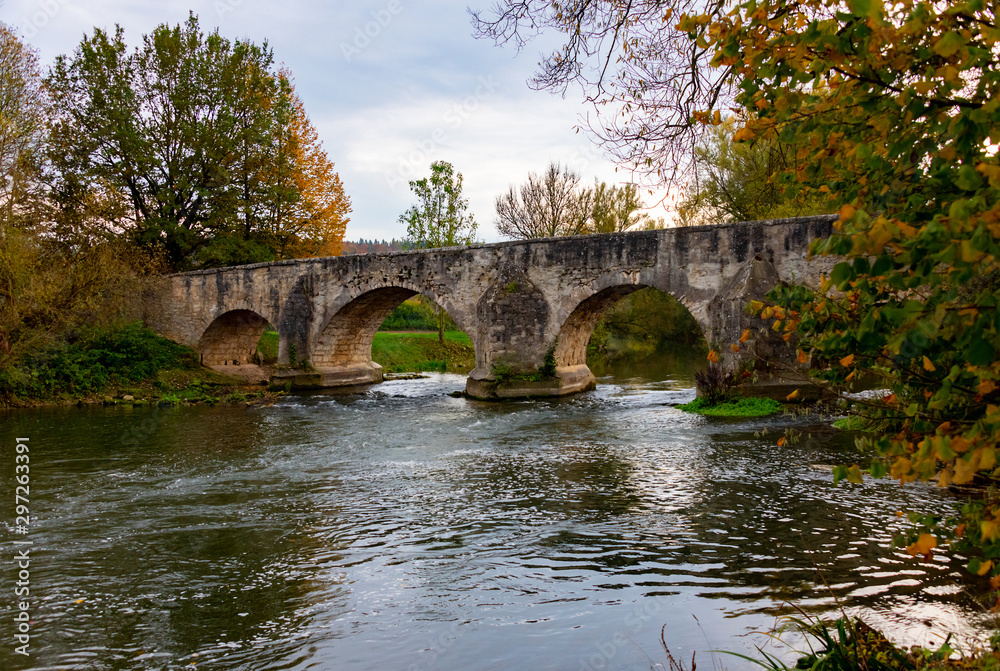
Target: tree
179 129
545 206
313 221
442 217
555 204
615 209
649 81
740 181
894 110
22 125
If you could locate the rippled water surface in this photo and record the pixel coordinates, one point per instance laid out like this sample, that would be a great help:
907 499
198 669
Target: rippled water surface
401 528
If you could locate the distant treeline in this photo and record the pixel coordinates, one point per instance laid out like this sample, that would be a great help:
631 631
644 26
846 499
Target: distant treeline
363 246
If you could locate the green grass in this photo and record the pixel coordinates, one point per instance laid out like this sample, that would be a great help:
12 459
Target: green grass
405 352
416 352
849 423
91 361
740 407
268 346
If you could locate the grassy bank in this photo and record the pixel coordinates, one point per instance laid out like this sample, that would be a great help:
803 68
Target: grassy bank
402 352
111 364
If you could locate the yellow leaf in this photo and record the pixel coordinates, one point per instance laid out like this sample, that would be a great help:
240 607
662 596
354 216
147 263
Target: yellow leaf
965 469
756 306
989 529
743 134
854 475
923 546
992 172
781 441
803 357
928 366
746 334
847 360
984 567
712 356
846 212
986 387
794 395
735 348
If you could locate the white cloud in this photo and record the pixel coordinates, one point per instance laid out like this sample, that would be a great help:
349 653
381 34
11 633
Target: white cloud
413 93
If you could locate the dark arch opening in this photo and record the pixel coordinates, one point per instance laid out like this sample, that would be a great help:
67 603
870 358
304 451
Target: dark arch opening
231 339
630 324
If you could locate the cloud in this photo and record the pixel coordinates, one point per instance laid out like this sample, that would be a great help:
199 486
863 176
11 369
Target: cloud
391 85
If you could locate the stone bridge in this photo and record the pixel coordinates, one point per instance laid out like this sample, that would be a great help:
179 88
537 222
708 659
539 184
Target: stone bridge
529 306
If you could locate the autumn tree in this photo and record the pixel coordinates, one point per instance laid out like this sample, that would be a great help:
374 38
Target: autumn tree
314 221
895 109
441 218
178 129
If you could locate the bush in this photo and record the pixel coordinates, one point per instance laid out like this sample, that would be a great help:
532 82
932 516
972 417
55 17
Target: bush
88 360
715 385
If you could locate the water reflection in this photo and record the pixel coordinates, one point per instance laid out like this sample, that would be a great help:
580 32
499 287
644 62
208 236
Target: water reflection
404 528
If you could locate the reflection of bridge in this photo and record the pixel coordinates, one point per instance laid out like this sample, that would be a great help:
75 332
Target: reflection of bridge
522 303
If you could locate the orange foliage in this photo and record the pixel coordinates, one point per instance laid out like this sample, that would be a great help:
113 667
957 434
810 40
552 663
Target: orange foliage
317 220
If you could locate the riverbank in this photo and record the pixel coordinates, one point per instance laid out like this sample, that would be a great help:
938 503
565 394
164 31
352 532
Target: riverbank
420 351
131 365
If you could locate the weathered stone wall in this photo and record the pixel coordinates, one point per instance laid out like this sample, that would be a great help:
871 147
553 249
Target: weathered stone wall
518 301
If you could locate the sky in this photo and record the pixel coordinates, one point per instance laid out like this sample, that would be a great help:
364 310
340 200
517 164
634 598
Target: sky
390 85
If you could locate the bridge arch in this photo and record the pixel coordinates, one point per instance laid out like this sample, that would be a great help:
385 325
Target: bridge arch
231 338
576 330
346 338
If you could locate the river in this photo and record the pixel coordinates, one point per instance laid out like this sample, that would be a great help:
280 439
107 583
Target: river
403 528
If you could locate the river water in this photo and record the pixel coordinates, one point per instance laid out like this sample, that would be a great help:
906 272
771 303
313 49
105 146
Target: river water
402 528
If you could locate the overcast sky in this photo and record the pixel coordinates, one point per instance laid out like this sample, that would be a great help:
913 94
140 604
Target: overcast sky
391 85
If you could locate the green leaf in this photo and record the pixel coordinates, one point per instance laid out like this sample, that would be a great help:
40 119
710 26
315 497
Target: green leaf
968 179
948 44
980 353
841 273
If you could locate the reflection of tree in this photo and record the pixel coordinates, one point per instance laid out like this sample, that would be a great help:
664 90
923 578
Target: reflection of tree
179 543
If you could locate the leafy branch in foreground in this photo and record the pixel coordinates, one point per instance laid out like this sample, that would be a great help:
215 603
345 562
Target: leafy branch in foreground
895 108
